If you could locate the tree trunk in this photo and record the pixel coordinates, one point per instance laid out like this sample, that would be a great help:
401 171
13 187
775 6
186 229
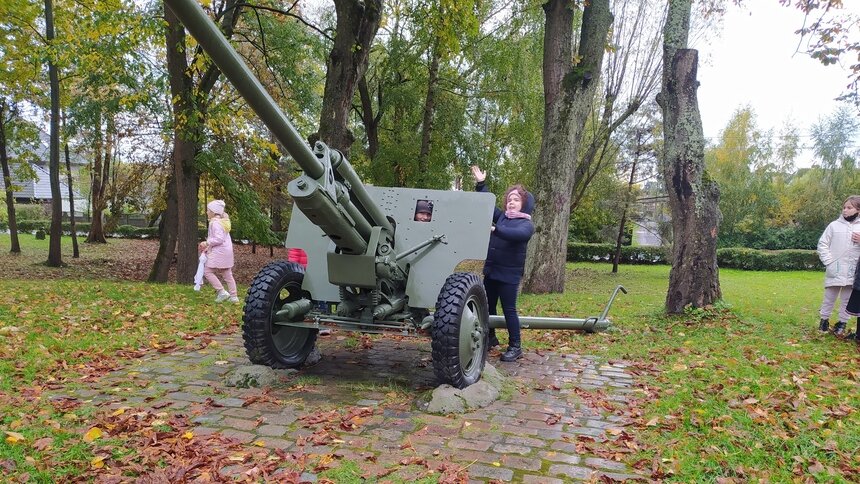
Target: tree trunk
167 237
179 226
76 253
97 188
55 256
187 182
693 196
399 170
427 119
7 180
277 201
357 23
368 119
568 98
153 217
620 239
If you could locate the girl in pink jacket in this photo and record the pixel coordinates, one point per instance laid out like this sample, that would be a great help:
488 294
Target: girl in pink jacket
219 252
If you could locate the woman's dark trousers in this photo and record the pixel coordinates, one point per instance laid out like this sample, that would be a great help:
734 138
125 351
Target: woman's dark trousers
507 293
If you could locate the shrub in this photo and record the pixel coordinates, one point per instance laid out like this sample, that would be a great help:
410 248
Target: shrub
30 212
80 227
33 225
761 260
731 258
605 252
772 239
146 232
124 231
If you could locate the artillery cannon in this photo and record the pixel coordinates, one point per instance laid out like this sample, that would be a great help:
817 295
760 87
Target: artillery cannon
374 264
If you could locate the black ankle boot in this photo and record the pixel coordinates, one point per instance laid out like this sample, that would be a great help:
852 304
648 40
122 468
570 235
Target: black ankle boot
839 329
492 341
824 325
514 353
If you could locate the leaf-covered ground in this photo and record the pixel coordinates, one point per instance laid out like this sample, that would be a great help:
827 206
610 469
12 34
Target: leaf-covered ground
744 392
118 260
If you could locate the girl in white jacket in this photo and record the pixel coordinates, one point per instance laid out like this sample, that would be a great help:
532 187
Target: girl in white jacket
839 250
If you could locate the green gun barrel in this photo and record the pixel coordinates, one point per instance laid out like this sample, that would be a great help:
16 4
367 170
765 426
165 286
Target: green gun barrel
233 67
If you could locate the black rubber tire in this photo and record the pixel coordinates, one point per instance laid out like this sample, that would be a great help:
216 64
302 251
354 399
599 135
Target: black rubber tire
460 330
269 344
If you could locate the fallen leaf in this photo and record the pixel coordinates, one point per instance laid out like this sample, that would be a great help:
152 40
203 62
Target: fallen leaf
92 434
43 443
13 437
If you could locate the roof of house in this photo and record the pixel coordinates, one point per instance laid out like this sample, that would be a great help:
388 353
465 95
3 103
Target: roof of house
42 152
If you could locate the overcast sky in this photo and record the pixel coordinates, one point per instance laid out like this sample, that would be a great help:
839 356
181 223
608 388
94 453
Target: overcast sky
754 62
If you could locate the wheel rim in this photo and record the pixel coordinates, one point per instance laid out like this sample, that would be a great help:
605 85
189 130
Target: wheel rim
288 340
471 338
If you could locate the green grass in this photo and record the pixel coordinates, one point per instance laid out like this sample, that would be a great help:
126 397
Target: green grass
306 381
57 328
747 389
55 332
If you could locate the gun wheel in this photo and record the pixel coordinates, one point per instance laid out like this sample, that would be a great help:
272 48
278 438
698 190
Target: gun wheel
460 329
274 345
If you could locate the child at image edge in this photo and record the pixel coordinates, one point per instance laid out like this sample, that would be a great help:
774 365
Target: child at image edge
839 250
219 252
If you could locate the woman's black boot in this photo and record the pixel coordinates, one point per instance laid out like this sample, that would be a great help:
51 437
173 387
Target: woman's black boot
514 353
823 325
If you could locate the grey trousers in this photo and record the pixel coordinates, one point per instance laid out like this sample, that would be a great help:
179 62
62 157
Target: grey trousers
830 295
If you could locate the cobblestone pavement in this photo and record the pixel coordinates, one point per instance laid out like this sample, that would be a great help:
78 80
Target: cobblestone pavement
530 435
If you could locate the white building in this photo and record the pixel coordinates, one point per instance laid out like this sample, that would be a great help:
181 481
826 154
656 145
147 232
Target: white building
38 190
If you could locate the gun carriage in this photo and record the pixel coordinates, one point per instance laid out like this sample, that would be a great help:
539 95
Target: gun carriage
374 264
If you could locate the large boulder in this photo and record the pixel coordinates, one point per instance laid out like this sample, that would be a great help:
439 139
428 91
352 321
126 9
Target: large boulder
446 399
255 376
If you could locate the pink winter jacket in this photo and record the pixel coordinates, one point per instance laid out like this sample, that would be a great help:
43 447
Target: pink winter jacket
220 246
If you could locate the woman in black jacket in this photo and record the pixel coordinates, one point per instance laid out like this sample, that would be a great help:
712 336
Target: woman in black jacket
506 258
